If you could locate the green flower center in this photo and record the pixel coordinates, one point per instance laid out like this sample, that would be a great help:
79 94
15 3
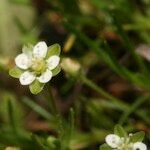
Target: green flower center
38 66
125 145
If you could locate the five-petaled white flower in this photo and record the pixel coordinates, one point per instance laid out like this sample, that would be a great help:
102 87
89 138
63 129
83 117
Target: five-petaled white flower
39 63
35 64
123 143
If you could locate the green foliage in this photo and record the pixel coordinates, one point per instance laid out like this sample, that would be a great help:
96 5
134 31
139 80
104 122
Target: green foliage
105 147
53 143
112 86
15 72
118 130
56 70
36 87
42 112
53 50
137 137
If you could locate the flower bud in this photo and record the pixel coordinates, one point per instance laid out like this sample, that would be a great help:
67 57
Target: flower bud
52 141
70 66
11 148
5 63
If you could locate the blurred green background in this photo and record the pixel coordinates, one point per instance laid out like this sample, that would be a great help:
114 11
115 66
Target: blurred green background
111 41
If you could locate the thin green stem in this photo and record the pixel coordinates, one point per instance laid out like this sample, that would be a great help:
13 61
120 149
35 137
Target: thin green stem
133 108
37 108
12 117
72 122
101 91
129 44
51 101
125 107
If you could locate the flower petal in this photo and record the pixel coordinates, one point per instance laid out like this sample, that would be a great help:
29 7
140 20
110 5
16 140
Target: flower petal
53 62
45 77
40 50
27 78
113 140
139 146
23 61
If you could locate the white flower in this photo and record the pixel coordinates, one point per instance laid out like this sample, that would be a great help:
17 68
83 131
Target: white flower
36 65
121 143
139 146
113 140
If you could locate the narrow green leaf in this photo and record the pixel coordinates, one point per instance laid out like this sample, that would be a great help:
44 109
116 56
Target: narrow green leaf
133 108
118 130
38 142
11 110
37 108
53 50
36 87
108 57
56 70
128 43
11 115
71 122
137 137
15 72
105 147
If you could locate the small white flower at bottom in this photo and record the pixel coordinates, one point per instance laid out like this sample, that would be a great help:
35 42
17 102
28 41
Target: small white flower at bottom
139 146
113 140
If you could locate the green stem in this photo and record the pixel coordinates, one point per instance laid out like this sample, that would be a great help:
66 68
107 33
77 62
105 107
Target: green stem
51 101
133 108
12 117
129 45
125 107
101 91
